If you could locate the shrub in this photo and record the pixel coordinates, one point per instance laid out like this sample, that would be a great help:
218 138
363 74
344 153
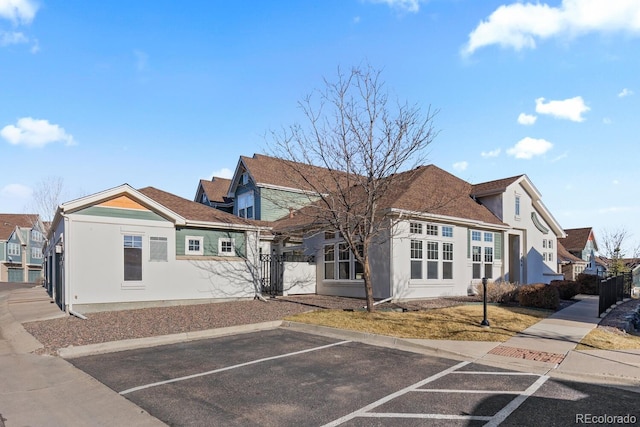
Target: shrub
587 284
566 288
502 292
539 296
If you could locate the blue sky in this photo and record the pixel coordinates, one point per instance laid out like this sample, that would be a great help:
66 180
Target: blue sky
165 93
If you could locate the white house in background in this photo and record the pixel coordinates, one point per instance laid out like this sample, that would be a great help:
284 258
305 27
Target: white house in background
129 248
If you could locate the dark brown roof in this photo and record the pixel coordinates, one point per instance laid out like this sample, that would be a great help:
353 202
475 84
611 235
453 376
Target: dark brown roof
576 239
9 222
216 189
565 256
427 189
284 173
492 187
194 211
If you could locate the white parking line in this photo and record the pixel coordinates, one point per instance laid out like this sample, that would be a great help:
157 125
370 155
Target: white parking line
361 412
515 403
240 365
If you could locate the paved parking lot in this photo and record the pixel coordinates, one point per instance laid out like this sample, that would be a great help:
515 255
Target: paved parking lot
280 377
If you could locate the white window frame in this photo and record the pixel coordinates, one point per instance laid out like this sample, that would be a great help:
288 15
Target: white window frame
199 239
415 228
245 202
36 236
517 206
13 249
222 242
342 256
447 231
36 253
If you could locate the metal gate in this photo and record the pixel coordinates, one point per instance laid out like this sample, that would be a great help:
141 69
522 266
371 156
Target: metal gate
272 271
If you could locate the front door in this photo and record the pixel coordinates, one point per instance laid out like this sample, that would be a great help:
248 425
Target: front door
514 259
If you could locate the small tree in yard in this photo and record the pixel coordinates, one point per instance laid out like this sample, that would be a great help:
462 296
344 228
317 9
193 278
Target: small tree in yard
364 140
613 244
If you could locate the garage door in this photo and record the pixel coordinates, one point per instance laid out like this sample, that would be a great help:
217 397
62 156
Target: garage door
35 275
16 275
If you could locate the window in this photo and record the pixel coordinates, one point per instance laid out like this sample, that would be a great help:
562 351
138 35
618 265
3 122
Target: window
447 260
329 235
432 260
13 249
244 178
432 230
132 258
544 256
329 262
544 243
550 256
36 253
344 262
359 268
416 259
245 205
226 247
415 228
158 249
447 231
517 206
488 237
36 236
476 252
476 236
488 262
194 245
550 244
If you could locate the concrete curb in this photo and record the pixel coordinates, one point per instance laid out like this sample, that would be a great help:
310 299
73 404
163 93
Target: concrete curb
12 331
135 343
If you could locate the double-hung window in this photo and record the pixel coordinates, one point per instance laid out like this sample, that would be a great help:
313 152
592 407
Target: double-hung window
245 205
13 249
447 260
484 243
329 262
132 257
432 260
346 265
416 259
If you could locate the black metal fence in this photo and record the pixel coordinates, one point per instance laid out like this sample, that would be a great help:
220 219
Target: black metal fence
613 290
272 271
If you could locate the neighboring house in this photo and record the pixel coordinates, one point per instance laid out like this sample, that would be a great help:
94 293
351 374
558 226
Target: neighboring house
21 240
214 194
446 239
580 242
125 247
569 264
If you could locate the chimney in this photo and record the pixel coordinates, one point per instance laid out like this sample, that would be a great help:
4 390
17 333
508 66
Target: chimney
290 212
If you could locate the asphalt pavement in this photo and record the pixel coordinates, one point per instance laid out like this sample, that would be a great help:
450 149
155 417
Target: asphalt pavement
45 390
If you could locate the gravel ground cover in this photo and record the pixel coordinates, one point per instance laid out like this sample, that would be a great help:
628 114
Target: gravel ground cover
126 324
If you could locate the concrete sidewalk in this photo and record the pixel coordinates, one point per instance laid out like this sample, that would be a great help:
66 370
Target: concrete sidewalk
49 391
38 390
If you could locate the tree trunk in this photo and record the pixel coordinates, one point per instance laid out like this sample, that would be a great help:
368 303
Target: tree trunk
368 286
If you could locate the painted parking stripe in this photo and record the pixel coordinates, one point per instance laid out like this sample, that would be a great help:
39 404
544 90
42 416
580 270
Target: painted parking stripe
240 365
502 415
362 411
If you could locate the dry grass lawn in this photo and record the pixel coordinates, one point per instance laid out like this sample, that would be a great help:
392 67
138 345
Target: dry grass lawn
460 323
609 339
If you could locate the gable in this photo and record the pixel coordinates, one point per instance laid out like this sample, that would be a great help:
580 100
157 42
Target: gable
122 206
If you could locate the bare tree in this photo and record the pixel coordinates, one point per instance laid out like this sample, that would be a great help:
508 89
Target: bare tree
615 247
46 197
363 140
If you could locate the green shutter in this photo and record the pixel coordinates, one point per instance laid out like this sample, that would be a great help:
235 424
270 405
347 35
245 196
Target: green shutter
497 238
468 243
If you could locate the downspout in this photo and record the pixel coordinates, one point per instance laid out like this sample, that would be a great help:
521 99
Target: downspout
65 242
256 275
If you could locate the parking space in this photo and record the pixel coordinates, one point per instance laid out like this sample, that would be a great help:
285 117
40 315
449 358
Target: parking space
280 377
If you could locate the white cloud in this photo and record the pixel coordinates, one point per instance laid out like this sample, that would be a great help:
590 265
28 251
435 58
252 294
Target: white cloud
223 173
405 5
625 92
18 11
528 147
520 25
527 119
16 191
9 38
460 166
35 133
492 153
570 109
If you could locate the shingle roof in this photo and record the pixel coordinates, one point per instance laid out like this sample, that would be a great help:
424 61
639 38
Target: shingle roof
194 211
492 187
284 173
216 189
427 189
565 256
576 239
9 222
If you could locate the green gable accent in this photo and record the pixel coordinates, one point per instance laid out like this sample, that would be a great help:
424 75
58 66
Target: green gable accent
120 213
275 204
210 241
